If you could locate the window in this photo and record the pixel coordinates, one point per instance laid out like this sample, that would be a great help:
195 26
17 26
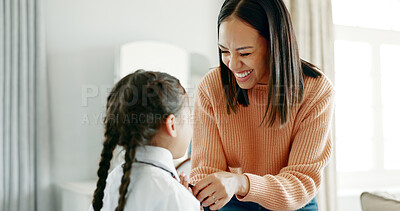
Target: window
367 76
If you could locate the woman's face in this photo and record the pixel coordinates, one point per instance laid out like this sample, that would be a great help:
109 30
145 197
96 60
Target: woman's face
244 52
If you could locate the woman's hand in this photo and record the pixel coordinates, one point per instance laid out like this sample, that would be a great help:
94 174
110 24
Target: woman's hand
217 189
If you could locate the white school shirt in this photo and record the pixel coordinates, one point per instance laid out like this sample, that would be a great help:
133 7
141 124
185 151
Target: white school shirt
151 188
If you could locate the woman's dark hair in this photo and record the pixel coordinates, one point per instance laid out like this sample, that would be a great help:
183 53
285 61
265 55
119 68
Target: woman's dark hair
285 86
136 108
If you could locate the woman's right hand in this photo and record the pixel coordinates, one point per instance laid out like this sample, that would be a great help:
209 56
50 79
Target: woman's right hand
217 189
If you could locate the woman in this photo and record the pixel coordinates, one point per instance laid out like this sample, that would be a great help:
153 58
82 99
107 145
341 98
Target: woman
265 148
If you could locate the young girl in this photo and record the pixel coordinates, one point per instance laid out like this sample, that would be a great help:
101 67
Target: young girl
148 115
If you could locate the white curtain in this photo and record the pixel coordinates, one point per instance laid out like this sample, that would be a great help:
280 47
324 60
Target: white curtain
24 173
312 20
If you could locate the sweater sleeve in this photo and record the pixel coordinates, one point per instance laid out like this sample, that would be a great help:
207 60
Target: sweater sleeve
208 155
298 182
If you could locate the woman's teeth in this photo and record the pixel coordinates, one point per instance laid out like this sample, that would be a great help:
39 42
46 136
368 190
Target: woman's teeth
242 75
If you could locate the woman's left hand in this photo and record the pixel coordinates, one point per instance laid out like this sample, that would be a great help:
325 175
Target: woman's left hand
217 189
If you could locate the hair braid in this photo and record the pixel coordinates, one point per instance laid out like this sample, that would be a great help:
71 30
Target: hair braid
104 165
126 179
110 142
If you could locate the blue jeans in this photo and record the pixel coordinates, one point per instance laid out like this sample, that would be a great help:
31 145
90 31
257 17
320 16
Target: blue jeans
235 205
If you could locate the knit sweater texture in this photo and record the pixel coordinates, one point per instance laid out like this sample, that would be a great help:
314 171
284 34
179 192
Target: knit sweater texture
284 165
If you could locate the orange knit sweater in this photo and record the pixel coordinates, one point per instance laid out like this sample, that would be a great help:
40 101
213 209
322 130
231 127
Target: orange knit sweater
284 165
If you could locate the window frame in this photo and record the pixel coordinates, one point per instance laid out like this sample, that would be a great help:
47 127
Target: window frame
378 177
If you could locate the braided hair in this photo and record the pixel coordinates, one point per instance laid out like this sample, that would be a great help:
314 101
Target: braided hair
136 108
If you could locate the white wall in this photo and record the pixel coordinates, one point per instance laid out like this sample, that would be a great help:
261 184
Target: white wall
81 38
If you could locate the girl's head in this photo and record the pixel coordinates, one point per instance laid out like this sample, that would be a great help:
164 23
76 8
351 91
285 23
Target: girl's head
143 108
257 45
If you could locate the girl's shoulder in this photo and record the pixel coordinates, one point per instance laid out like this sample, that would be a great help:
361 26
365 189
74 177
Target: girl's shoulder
159 186
151 189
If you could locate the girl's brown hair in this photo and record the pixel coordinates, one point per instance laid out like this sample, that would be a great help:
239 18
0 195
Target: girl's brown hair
136 108
272 20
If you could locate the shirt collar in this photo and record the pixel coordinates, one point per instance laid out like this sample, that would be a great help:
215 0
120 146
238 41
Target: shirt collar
158 156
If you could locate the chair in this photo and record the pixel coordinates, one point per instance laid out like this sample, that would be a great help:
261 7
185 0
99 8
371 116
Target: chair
379 201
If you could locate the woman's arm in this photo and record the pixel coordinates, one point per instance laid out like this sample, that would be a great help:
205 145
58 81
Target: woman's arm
207 152
209 165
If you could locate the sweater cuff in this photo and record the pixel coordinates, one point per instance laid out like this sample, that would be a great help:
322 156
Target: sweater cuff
257 186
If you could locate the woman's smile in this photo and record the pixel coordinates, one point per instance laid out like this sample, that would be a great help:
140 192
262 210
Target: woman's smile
243 75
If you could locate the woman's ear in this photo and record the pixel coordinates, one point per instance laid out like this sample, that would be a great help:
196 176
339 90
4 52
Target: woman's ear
170 125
